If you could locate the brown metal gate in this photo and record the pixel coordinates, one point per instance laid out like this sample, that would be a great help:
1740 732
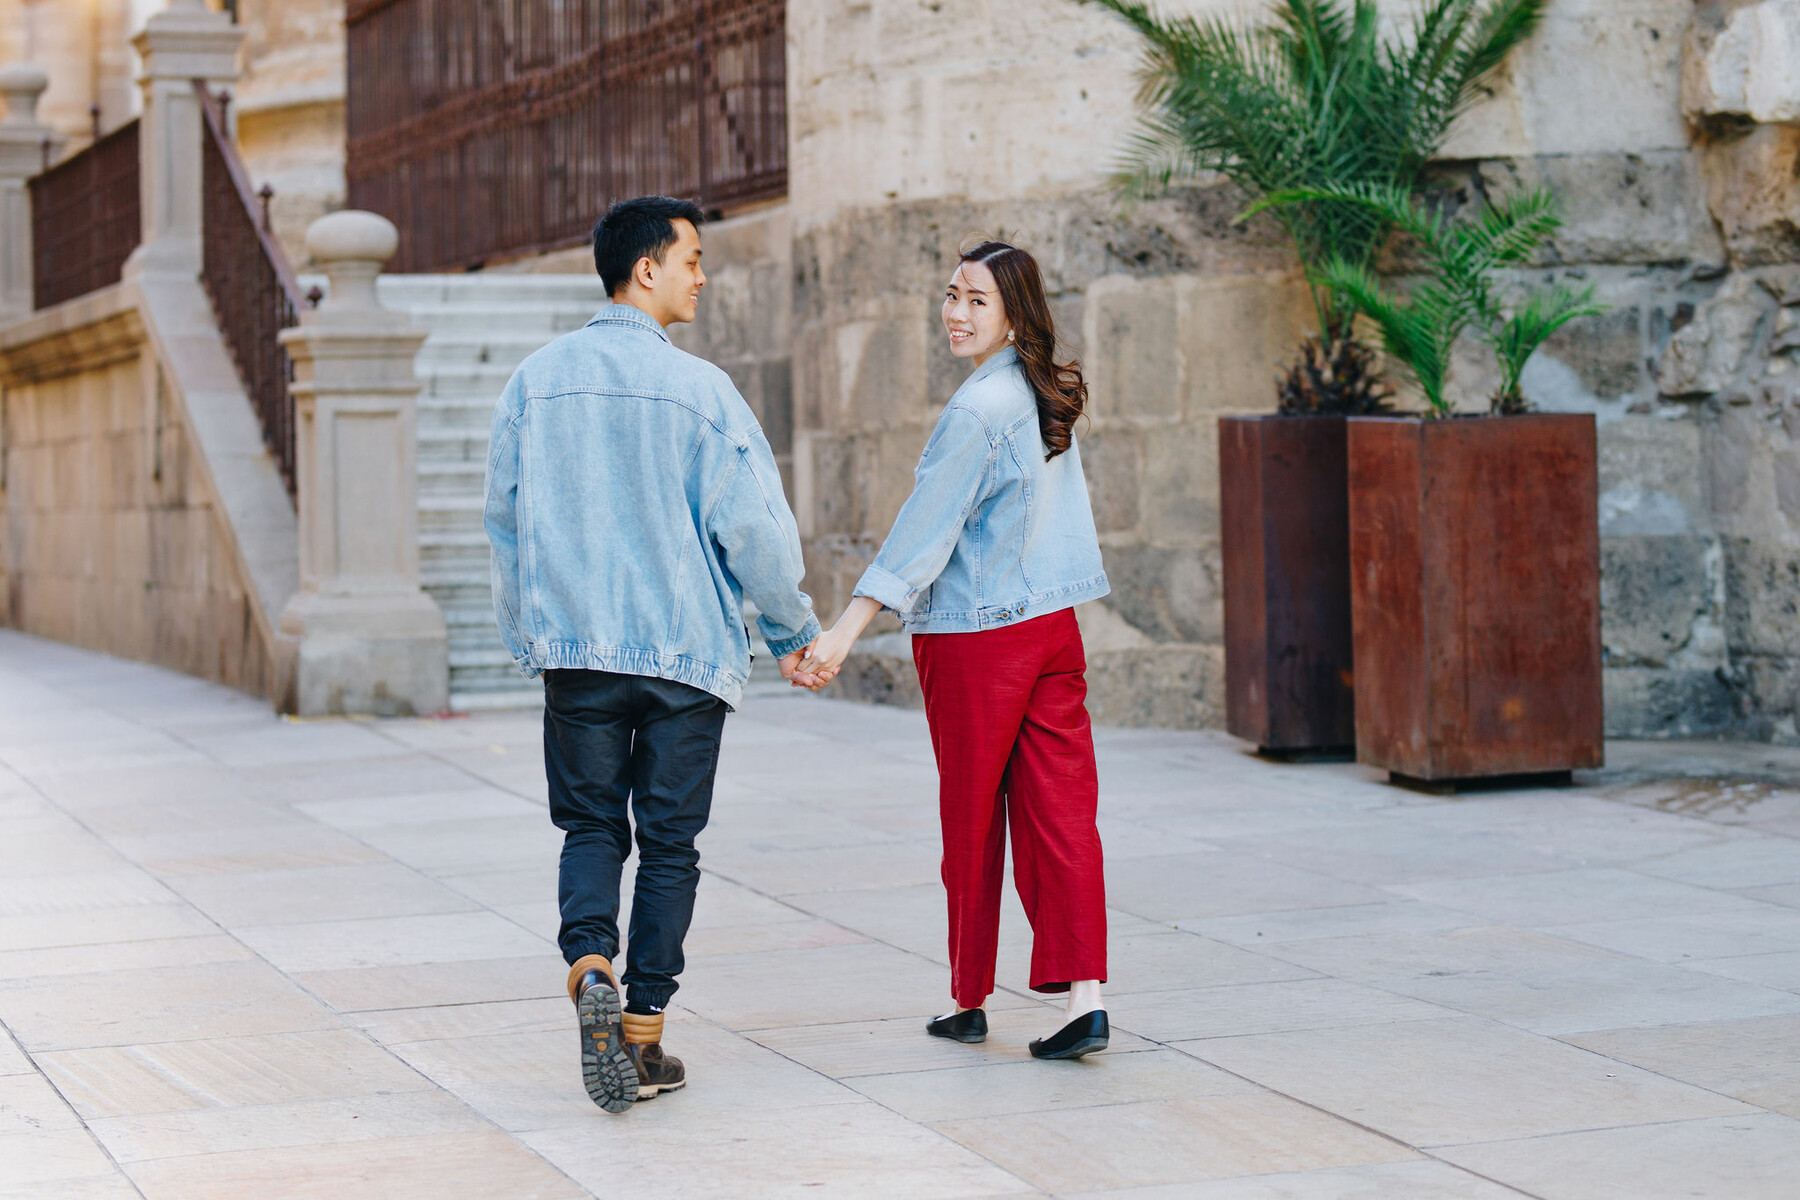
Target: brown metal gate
85 219
486 128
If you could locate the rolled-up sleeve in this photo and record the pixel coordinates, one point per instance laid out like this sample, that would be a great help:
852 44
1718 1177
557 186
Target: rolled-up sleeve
946 487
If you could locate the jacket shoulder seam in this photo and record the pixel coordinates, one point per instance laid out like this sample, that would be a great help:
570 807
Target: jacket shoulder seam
636 394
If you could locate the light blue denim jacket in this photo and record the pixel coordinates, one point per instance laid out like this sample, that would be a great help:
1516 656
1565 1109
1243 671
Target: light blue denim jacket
632 504
992 533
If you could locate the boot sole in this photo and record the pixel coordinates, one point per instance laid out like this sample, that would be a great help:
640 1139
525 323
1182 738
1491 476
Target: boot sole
1083 1047
607 1071
652 1091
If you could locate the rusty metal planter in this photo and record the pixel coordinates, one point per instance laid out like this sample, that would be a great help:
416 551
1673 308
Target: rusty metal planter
1284 525
1475 580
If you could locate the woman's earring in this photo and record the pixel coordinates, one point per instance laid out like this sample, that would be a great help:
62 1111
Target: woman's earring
1009 335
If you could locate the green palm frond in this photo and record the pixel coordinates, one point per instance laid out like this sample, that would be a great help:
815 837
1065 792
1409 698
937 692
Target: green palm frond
1389 203
1456 293
1314 97
1541 313
1418 331
1492 35
1510 230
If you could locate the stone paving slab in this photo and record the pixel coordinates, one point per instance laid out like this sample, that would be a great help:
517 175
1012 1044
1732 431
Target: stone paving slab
241 955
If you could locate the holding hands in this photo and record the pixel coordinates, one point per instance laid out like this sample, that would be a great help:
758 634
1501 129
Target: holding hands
817 665
790 671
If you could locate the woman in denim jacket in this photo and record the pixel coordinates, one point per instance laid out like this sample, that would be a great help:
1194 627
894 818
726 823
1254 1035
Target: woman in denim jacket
984 566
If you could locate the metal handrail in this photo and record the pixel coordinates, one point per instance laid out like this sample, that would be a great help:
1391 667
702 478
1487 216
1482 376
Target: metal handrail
247 277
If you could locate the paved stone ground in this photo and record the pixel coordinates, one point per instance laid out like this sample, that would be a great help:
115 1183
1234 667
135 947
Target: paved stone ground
241 956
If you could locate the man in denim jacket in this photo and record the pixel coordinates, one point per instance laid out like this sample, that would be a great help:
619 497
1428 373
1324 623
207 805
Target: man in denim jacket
633 504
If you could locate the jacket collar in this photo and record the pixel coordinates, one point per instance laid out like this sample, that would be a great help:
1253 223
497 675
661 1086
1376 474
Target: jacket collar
626 314
1004 357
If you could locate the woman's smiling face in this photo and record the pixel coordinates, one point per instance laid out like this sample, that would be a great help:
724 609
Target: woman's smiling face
973 314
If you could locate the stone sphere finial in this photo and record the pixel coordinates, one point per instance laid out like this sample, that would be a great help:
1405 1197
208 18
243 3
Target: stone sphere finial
350 246
22 84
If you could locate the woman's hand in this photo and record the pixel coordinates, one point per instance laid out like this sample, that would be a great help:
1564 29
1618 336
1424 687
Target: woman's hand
825 657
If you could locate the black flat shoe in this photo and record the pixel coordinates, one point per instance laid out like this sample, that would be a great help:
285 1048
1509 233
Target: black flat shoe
1084 1035
969 1025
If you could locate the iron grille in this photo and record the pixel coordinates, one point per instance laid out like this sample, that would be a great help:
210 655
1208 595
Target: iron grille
85 219
485 128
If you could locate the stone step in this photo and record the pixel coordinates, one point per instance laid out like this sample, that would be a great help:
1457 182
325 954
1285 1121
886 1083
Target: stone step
468 500
463 426
462 418
464 595
549 321
450 515
453 445
453 557
475 350
475 635
480 327
488 655
460 384
489 290
530 695
471 627
454 476
474 654
477 408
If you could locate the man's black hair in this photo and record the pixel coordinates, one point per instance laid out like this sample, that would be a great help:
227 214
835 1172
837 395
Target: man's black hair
634 229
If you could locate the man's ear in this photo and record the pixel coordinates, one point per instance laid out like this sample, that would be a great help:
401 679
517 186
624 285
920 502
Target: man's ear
645 273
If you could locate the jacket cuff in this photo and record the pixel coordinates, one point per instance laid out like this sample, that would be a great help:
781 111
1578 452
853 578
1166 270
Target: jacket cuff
887 589
809 633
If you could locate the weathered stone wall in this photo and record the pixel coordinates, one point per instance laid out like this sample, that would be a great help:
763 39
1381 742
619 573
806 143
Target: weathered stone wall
968 120
85 48
746 316
111 538
290 111
873 372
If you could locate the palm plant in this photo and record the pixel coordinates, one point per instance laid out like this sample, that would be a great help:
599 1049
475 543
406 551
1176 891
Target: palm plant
1316 98
1457 291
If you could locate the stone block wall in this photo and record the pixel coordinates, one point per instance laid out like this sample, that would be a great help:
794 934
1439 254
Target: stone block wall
85 48
976 121
873 371
289 108
746 315
110 538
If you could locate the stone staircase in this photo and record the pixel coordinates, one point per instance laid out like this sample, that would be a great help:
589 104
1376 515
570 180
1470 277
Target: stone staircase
481 326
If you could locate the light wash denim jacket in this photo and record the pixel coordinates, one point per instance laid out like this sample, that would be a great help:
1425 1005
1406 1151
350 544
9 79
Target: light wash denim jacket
992 534
632 504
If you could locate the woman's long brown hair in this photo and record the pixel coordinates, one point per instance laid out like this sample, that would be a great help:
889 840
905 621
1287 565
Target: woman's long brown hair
1061 392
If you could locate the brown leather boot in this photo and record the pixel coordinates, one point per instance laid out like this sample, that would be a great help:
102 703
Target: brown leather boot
608 1069
656 1072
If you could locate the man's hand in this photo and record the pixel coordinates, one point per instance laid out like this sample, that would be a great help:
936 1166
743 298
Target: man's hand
790 671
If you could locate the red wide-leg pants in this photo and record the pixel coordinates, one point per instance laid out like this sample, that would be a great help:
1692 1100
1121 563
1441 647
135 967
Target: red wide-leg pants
1009 723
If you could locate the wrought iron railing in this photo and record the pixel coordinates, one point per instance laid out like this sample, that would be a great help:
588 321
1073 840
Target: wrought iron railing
85 219
504 127
253 291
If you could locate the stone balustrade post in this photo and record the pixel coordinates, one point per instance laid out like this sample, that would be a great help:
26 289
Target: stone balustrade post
182 43
25 145
359 636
